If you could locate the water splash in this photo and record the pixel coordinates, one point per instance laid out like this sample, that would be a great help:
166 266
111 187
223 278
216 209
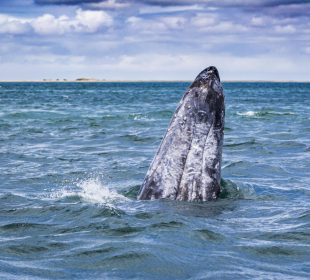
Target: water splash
92 191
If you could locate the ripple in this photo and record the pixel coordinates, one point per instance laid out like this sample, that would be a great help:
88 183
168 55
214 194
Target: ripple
144 215
137 138
96 252
165 225
22 227
108 212
274 251
25 249
206 234
287 236
234 144
252 169
34 114
124 231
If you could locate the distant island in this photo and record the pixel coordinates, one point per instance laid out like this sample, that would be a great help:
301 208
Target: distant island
76 80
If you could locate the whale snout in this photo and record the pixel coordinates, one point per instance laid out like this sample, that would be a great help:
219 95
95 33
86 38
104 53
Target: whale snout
207 77
212 71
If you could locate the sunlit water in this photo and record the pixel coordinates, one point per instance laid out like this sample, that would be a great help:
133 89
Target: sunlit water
72 158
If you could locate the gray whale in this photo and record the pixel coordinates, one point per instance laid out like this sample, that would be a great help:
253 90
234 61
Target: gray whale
187 165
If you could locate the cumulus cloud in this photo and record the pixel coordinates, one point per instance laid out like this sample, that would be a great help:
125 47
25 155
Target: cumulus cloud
13 25
91 21
83 21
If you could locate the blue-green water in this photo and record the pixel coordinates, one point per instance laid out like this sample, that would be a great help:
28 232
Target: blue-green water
72 157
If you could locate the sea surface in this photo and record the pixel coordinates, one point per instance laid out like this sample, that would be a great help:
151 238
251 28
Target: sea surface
72 159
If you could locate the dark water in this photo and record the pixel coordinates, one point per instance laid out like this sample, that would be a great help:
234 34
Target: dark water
72 157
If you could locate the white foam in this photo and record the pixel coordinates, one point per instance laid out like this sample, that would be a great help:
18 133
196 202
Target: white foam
94 191
91 191
262 113
248 113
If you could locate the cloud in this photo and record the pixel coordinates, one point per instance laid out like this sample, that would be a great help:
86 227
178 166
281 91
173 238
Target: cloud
149 39
91 21
154 66
199 24
257 21
257 3
108 4
203 20
13 25
48 24
285 29
156 24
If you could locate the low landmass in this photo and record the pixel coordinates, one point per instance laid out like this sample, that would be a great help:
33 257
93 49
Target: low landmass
95 80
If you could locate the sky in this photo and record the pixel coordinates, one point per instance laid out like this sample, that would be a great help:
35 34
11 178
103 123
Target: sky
154 39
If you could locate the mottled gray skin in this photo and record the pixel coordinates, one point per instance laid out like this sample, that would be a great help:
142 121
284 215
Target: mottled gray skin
187 165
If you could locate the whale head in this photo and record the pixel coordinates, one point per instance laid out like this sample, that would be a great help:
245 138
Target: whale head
187 165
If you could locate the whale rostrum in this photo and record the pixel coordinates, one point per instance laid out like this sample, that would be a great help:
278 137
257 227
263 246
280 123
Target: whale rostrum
187 165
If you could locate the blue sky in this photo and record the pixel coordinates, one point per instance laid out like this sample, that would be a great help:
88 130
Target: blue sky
154 39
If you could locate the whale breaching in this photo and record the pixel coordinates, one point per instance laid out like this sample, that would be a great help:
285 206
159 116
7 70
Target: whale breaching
187 165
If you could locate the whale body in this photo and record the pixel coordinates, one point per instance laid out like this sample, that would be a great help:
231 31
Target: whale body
187 165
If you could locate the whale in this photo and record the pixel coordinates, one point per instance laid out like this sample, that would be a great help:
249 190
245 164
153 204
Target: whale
187 164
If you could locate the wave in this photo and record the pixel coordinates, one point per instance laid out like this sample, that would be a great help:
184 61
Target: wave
231 190
238 143
263 113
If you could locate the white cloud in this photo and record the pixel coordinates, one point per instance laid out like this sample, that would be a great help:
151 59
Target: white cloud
257 21
228 26
174 22
91 21
160 24
203 20
285 29
13 25
199 23
83 21
210 23
109 4
168 9
49 24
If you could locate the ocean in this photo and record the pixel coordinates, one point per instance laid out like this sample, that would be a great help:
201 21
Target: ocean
72 159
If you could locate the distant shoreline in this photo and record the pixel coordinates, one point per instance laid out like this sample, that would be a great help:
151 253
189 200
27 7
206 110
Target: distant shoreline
140 81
